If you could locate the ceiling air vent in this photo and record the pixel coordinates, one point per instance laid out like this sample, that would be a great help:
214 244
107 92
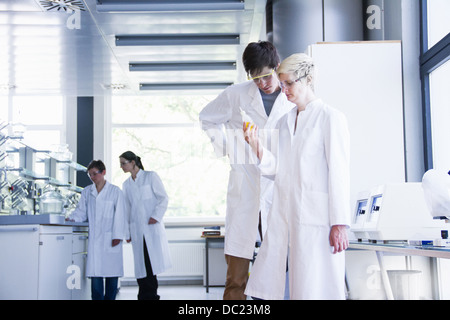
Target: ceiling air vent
61 5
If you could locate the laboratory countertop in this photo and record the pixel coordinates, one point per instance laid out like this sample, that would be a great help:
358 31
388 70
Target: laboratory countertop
55 219
47 219
403 249
186 222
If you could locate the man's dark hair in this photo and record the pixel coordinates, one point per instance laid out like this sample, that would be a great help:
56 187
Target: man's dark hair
258 55
97 164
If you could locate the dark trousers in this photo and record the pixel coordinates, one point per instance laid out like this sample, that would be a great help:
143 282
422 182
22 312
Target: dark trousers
110 288
148 286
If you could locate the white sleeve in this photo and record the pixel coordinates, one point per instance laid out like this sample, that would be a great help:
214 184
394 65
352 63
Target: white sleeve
127 208
337 149
213 118
161 197
120 227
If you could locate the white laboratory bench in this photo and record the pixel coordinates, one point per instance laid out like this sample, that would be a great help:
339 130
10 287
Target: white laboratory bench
401 249
43 258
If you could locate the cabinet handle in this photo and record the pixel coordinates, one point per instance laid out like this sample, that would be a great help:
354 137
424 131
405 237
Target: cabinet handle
82 238
18 229
60 238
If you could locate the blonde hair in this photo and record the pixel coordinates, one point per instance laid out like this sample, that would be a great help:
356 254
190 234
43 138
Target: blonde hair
301 65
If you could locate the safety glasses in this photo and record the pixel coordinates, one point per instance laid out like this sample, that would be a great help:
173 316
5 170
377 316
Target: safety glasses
264 77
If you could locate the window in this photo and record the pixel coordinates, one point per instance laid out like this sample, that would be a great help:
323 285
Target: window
440 116
43 119
435 72
39 119
165 133
438 21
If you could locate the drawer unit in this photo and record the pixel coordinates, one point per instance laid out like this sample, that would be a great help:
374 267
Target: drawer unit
79 242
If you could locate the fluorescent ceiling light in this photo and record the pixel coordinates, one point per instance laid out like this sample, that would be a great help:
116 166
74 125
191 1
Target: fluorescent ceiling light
184 86
168 5
177 39
182 66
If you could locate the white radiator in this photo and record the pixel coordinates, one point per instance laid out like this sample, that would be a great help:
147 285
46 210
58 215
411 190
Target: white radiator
187 259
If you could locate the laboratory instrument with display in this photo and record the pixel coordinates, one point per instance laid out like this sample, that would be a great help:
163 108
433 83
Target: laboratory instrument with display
395 212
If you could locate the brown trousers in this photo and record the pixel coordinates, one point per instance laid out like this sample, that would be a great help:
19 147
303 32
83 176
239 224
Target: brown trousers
237 276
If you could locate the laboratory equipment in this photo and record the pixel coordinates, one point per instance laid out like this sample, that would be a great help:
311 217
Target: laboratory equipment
436 186
19 193
61 152
361 210
246 119
51 202
3 139
72 199
35 181
395 212
4 178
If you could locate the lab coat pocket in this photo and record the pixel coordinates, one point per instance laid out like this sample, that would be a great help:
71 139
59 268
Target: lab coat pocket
234 188
311 143
154 229
107 243
147 192
314 208
108 212
154 234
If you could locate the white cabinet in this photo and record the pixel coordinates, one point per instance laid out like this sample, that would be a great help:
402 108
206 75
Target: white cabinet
37 262
19 256
364 81
55 257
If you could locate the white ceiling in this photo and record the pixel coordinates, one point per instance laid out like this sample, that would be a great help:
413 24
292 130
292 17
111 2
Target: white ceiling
40 54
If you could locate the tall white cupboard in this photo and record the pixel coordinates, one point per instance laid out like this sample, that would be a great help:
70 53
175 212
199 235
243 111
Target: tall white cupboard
364 80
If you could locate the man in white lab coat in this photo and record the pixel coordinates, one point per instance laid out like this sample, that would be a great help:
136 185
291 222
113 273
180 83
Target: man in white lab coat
248 194
102 205
310 212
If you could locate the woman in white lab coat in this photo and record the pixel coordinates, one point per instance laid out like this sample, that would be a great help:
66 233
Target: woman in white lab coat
248 194
310 212
147 202
102 205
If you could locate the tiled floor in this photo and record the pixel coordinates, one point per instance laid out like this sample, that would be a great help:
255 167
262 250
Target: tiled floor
175 292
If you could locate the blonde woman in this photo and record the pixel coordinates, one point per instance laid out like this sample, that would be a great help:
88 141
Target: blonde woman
310 211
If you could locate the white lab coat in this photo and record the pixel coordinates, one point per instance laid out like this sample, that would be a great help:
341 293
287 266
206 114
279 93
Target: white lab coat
247 193
311 194
146 198
105 212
